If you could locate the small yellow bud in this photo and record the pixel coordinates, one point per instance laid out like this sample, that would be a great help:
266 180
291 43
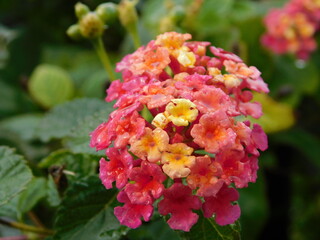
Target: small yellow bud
81 10
91 26
74 32
127 13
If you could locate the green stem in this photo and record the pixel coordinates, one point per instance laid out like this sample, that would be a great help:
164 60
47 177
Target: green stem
102 53
133 30
28 228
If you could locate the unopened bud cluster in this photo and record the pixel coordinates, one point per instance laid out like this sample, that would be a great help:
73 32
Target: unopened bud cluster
91 24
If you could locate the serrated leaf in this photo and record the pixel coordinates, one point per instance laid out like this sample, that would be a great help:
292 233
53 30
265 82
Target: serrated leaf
50 85
14 174
86 212
79 140
208 229
80 164
60 121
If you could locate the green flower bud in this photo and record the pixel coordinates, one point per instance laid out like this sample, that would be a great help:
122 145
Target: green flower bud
127 13
74 32
91 26
81 10
107 11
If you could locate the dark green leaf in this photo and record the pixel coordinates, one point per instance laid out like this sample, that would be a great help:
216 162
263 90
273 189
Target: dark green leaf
14 174
86 212
94 86
53 196
23 125
303 141
80 164
78 142
156 229
60 121
36 190
208 229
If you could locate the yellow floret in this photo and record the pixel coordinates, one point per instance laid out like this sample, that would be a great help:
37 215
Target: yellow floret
177 160
181 112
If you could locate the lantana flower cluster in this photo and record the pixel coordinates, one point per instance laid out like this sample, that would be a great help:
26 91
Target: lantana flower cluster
291 29
176 140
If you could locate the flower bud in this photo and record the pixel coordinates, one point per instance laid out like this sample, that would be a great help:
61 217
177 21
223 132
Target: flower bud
127 13
91 26
74 32
107 11
81 10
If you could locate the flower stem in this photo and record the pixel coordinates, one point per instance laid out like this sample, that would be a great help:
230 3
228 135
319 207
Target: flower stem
102 53
133 30
25 227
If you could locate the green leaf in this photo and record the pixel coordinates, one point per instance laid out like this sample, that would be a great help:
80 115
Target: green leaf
156 229
53 196
14 174
24 125
95 85
50 85
208 229
36 190
60 121
78 142
300 77
80 164
305 142
86 212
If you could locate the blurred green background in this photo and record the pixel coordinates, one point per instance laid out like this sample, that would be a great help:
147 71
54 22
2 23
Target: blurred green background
40 67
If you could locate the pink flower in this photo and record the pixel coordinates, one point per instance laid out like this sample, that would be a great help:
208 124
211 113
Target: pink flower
237 167
221 206
179 201
205 175
130 214
292 28
100 139
122 128
224 55
192 102
147 184
259 137
211 99
214 132
116 169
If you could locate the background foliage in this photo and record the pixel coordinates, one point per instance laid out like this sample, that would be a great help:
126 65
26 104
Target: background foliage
51 97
